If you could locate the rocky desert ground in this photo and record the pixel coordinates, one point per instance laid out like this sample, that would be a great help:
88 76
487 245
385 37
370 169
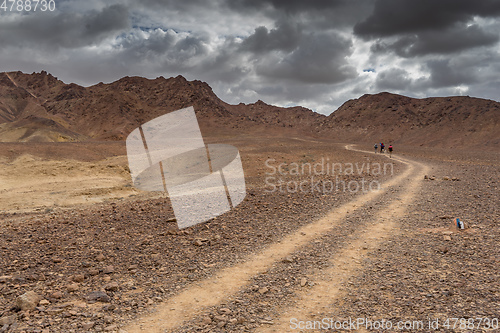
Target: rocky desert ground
83 251
330 236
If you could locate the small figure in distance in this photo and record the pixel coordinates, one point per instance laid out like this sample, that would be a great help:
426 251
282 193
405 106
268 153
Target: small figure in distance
390 150
382 147
375 147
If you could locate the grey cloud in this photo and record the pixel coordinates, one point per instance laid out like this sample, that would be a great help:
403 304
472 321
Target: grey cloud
393 79
487 90
68 30
286 38
318 96
320 58
322 14
419 28
438 42
289 6
110 19
189 47
162 49
451 41
396 17
301 52
445 74
157 43
226 65
172 4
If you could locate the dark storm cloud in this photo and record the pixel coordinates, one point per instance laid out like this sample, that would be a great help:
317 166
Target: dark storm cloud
162 48
417 28
393 79
488 89
288 6
227 65
320 58
68 30
292 93
171 4
396 17
311 53
110 19
286 38
315 14
446 41
446 74
443 73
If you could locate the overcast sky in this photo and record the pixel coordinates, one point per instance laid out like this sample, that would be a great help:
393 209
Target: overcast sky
316 53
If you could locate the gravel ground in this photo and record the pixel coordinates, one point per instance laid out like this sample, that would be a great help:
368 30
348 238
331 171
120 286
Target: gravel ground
97 267
132 251
430 270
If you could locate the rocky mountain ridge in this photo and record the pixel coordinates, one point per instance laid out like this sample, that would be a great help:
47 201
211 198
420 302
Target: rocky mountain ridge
38 107
435 121
69 112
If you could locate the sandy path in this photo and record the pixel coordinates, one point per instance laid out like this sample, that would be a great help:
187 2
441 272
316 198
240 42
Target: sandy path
190 302
328 282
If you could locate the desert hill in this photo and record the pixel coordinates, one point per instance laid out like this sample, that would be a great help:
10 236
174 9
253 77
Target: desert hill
111 111
436 121
39 107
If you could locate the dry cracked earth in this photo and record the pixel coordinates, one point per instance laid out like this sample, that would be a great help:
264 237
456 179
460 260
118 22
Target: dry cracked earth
282 261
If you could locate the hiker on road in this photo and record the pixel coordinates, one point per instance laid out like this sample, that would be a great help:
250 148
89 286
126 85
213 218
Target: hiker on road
382 147
375 146
390 150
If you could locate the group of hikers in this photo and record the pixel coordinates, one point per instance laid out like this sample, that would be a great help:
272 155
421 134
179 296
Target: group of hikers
382 148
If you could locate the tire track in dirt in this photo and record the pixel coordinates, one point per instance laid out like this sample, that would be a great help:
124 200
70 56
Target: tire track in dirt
328 282
194 299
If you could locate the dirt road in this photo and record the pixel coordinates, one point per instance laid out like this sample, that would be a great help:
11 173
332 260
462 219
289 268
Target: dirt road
190 303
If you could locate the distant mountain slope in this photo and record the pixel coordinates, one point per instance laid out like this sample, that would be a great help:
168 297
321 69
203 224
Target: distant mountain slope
39 107
437 121
15 101
111 111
